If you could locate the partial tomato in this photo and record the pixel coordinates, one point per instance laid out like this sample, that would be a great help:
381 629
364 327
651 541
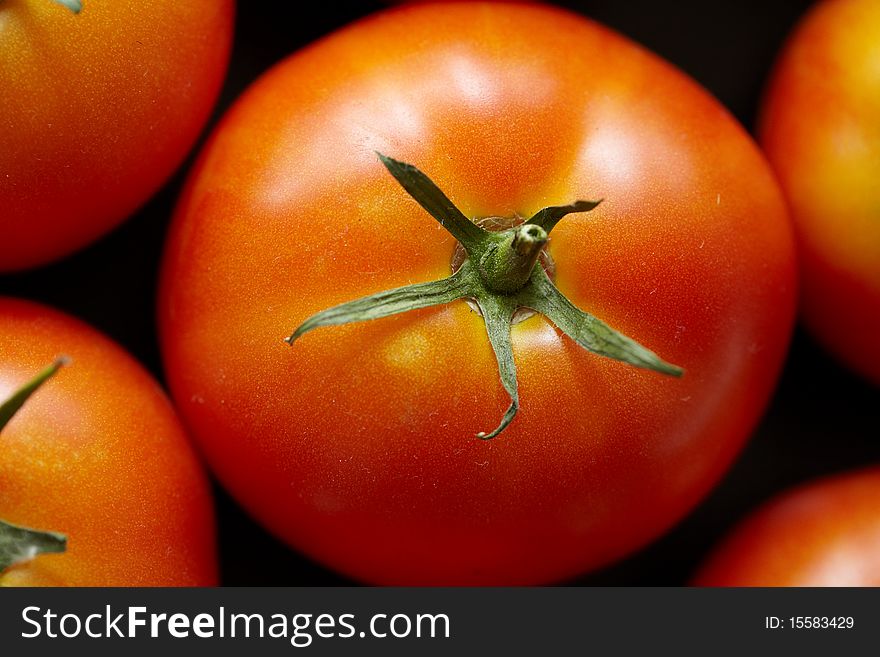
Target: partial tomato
98 110
820 128
357 444
826 533
98 455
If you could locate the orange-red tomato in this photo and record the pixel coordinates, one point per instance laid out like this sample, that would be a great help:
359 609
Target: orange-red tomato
98 454
820 128
356 445
826 533
98 109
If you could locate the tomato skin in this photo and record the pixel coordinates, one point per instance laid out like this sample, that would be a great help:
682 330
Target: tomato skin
825 533
98 109
98 454
356 445
820 128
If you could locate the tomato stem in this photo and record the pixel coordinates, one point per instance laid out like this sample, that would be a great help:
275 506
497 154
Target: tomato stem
499 273
507 263
18 544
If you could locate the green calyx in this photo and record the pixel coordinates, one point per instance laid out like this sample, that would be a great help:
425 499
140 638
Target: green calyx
19 544
501 276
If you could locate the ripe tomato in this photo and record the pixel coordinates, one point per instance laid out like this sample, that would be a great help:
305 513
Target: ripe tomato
357 444
98 454
98 110
820 128
826 533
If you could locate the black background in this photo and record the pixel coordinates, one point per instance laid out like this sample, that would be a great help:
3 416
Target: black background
822 418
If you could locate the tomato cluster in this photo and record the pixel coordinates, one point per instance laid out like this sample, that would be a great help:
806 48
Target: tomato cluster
393 235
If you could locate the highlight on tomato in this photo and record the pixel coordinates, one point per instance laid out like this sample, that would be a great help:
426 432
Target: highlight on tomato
823 533
571 251
99 485
101 102
820 128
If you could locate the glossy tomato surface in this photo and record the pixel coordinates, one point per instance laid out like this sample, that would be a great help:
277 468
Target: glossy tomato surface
357 445
821 130
825 533
98 110
99 455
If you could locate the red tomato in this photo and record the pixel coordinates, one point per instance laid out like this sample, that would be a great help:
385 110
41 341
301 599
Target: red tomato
98 110
357 444
826 533
820 129
99 455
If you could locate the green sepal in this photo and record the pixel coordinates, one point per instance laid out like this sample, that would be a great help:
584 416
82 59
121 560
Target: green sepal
390 302
11 406
74 5
436 203
589 332
549 217
498 313
20 544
